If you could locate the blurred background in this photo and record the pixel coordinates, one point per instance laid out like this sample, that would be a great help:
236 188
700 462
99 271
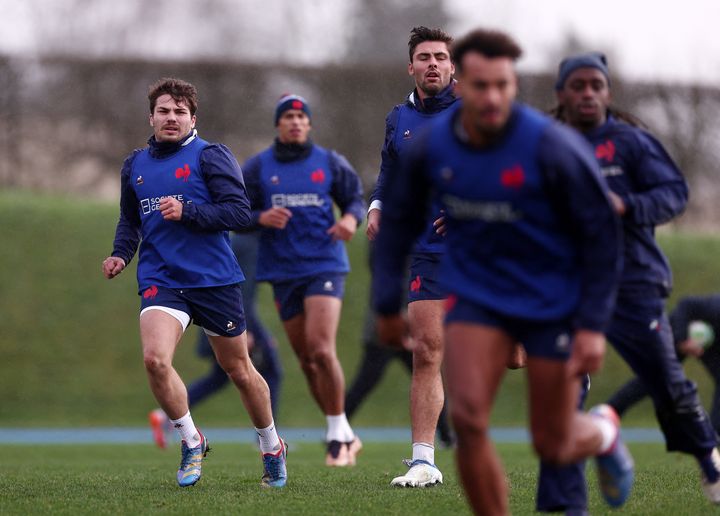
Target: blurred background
73 103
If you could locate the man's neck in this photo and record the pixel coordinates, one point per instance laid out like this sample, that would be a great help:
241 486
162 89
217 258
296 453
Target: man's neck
468 132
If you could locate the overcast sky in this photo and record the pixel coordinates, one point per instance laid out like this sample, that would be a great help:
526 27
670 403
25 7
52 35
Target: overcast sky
646 39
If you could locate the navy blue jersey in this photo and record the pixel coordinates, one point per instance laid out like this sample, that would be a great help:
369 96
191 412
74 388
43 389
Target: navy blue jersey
639 170
530 231
307 183
402 126
195 251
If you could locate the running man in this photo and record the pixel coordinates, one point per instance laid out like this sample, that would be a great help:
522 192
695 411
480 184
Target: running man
261 345
690 312
647 189
432 70
292 186
533 253
179 197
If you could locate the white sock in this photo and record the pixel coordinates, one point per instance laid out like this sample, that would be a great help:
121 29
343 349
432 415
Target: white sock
269 440
187 431
424 451
609 433
339 429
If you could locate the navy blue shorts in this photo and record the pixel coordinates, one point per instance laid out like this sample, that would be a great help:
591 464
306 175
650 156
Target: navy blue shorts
216 309
423 284
546 339
290 295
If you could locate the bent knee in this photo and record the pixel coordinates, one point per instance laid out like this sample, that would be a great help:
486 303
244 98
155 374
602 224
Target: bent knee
241 371
156 364
427 353
319 358
468 422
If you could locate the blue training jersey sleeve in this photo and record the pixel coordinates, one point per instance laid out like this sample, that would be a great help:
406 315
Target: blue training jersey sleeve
251 170
581 194
230 206
661 191
388 156
127 232
405 210
346 189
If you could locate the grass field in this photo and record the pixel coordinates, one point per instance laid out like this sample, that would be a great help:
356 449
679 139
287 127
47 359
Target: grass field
140 479
71 358
69 338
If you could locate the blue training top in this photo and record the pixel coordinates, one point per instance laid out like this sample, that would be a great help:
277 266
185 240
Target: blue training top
402 125
306 179
641 172
530 230
194 251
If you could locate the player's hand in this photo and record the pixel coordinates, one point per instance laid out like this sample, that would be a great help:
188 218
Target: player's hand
344 228
588 352
393 331
275 218
691 349
170 208
617 203
112 266
373 224
439 225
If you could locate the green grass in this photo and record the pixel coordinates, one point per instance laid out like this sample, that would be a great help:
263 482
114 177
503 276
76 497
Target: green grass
140 479
70 346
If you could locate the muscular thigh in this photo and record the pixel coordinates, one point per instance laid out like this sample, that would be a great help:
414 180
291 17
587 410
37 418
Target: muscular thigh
553 394
426 323
160 333
230 349
322 317
475 359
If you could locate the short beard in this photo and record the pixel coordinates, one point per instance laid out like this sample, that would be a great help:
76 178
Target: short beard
434 91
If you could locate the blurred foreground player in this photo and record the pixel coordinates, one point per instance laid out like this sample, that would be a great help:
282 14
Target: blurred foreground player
533 252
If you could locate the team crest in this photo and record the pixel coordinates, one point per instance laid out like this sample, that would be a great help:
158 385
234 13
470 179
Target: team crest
512 177
317 176
183 173
605 151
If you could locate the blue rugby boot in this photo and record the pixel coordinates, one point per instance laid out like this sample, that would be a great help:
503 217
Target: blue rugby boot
275 467
190 468
615 467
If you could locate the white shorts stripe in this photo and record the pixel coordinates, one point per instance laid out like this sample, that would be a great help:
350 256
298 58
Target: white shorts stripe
182 317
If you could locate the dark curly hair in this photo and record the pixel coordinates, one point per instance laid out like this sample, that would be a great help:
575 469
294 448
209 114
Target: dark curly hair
177 89
490 43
